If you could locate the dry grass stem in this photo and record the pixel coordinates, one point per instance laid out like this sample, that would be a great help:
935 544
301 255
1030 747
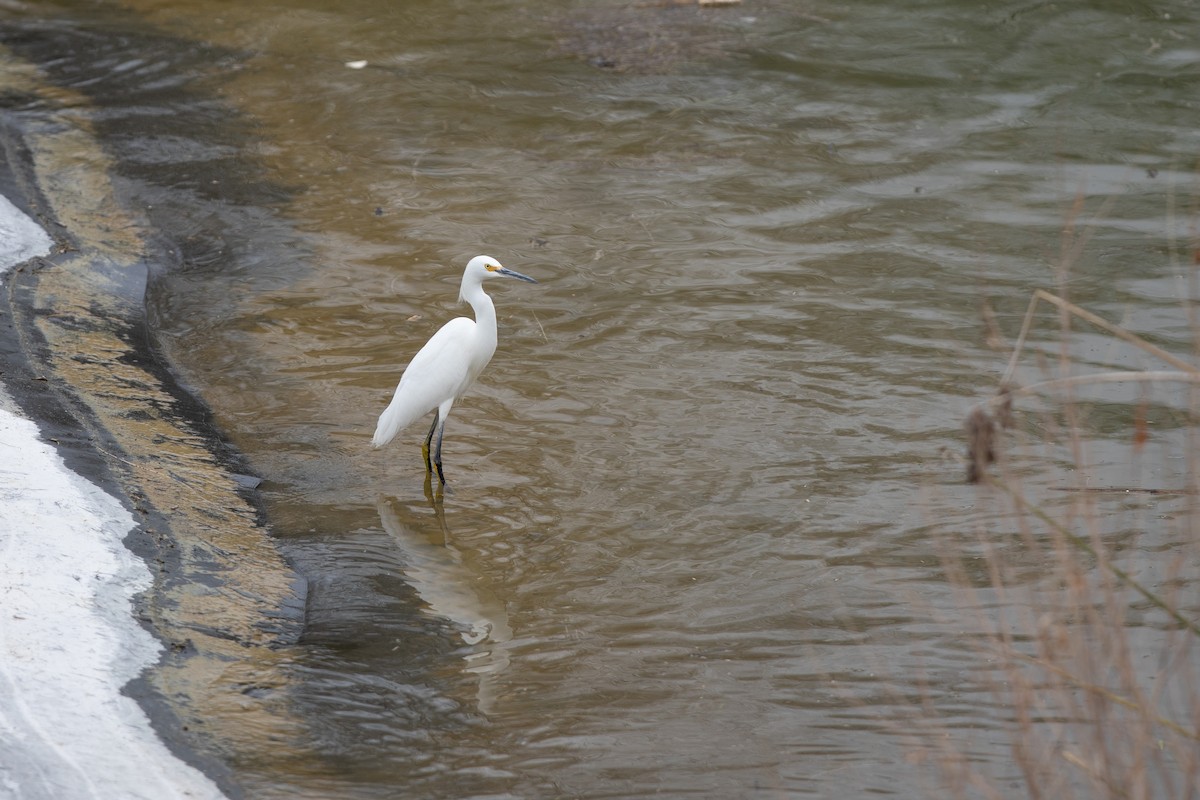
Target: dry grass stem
1089 610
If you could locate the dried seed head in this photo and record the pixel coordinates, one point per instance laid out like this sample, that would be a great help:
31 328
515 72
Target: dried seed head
981 440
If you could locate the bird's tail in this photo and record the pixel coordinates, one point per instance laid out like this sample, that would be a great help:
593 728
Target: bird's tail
404 410
383 435
388 427
385 432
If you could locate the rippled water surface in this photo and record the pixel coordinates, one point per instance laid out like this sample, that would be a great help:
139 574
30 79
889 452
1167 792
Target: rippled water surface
692 542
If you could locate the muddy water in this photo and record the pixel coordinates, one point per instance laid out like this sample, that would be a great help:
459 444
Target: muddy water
692 539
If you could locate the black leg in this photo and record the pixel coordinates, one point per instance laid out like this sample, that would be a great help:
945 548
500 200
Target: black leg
437 456
428 439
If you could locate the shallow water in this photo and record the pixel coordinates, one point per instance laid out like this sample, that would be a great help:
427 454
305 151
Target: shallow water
692 540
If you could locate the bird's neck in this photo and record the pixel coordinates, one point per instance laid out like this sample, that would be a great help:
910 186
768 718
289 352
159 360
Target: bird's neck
485 314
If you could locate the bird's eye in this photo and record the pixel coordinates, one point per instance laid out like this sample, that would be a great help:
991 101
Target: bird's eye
491 268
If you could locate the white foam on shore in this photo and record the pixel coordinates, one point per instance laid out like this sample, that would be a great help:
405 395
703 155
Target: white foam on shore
20 237
68 640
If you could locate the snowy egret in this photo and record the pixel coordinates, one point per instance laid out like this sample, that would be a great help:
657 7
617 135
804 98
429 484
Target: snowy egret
448 364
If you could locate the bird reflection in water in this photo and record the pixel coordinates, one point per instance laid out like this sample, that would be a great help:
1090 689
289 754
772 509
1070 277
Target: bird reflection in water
452 590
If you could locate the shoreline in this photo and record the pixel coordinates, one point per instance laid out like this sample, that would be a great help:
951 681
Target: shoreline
70 646
179 580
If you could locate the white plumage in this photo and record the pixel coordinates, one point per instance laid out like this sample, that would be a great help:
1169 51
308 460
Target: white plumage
448 364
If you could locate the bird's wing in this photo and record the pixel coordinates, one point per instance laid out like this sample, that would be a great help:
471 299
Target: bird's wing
438 372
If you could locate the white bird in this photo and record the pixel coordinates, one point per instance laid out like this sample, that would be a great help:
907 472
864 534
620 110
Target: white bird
448 364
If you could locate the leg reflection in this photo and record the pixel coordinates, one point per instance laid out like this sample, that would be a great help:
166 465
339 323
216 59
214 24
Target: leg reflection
452 589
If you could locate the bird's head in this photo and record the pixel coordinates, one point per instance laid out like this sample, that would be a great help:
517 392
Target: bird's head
481 268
